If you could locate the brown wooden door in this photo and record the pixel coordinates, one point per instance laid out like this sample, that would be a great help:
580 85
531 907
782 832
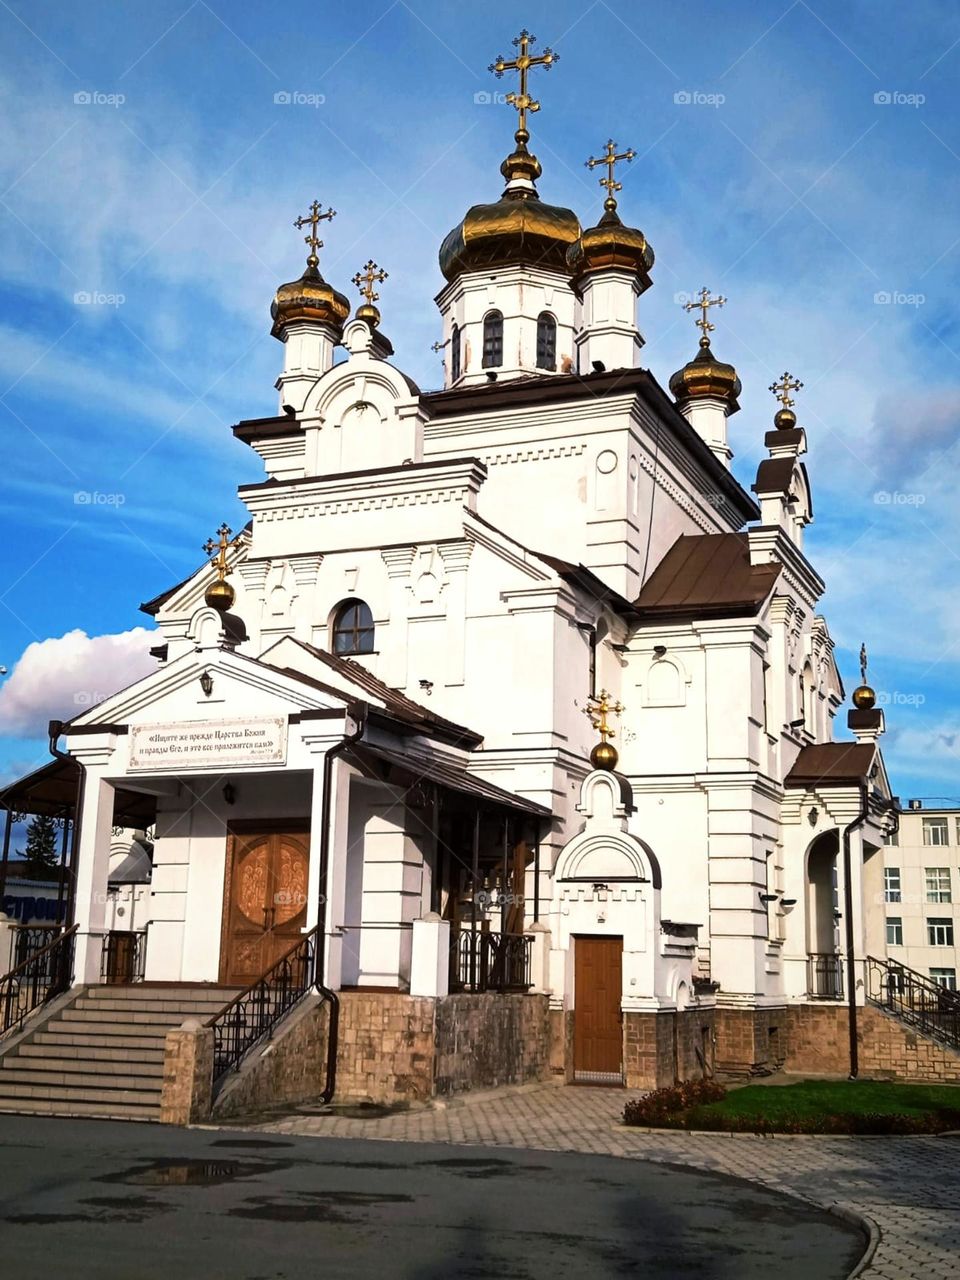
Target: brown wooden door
597 1025
265 903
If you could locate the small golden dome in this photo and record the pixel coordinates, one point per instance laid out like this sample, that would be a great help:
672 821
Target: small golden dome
611 244
864 698
220 596
367 311
518 228
309 298
705 376
604 756
784 419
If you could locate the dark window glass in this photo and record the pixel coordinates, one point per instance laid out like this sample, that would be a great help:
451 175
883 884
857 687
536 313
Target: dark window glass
546 341
353 628
455 353
492 340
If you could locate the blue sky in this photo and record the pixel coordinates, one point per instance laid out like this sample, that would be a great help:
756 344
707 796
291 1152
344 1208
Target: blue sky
804 159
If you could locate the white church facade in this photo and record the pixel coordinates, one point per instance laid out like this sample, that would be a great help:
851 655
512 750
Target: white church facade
380 716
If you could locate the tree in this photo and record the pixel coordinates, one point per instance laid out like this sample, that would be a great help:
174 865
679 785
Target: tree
41 856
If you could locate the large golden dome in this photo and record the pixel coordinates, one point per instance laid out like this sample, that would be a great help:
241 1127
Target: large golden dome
611 244
309 298
517 228
706 377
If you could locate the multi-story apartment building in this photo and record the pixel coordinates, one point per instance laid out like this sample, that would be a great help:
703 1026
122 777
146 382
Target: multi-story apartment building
921 891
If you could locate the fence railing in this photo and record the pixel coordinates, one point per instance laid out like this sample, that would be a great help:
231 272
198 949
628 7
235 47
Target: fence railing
252 1016
825 976
486 961
915 999
44 973
31 938
123 957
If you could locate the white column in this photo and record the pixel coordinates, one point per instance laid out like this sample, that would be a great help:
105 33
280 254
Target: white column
93 866
307 354
430 961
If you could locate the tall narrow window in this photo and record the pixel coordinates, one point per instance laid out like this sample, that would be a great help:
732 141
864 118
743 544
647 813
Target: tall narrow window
353 628
546 341
492 340
455 353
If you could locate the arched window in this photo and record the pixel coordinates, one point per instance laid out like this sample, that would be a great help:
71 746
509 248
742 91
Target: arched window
546 341
455 353
492 340
353 628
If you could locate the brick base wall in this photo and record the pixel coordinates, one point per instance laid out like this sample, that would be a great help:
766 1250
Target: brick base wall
818 1043
291 1068
385 1049
661 1048
751 1042
488 1040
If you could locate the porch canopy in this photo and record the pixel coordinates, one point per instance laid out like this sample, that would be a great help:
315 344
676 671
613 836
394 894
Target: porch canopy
51 791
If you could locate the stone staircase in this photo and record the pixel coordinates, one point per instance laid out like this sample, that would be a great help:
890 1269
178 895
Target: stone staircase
99 1050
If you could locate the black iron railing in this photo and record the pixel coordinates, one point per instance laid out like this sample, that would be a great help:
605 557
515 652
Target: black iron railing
252 1016
41 976
825 976
916 1000
123 957
31 938
486 961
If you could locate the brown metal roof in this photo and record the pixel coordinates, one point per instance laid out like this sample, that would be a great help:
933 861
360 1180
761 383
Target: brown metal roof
52 791
832 762
774 475
450 775
706 575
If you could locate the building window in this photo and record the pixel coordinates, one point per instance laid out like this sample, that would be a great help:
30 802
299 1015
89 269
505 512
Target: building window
935 831
892 839
353 628
957 820
891 884
938 884
455 353
940 931
894 931
945 978
546 341
492 340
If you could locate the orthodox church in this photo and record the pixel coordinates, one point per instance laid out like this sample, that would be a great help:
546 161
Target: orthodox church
503 731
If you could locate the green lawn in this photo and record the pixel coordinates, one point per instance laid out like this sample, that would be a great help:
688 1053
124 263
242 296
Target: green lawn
832 1106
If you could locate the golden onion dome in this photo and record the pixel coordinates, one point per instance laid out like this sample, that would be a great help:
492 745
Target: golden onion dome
611 244
706 377
309 298
517 228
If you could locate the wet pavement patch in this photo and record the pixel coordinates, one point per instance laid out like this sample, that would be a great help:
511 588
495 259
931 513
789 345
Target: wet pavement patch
315 1206
192 1173
249 1142
478 1167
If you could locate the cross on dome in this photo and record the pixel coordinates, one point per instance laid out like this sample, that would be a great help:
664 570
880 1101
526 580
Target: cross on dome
313 219
783 388
522 64
610 159
371 274
701 303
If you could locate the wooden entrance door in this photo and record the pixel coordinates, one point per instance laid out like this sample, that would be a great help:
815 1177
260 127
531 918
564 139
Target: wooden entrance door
265 900
597 1021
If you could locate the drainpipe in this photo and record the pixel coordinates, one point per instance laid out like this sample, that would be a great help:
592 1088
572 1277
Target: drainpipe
858 821
331 997
54 729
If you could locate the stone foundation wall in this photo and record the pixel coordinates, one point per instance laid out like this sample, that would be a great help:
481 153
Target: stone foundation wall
561 1044
750 1042
185 1095
661 1048
482 1041
290 1068
818 1043
385 1051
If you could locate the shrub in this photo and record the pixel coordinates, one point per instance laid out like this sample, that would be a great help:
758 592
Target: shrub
664 1108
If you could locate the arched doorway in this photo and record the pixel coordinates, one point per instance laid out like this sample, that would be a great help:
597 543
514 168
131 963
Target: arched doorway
825 970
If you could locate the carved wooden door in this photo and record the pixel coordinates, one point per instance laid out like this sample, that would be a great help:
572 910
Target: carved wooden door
265 901
597 1021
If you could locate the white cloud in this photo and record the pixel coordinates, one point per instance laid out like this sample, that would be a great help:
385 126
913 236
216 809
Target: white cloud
59 678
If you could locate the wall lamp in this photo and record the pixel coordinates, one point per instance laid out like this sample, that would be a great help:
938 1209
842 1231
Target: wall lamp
206 683
229 793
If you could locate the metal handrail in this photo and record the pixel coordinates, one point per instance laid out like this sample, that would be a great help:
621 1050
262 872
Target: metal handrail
825 975
252 1015
41 976
915 1000
491 961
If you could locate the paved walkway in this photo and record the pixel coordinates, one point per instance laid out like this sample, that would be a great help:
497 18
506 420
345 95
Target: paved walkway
908 1187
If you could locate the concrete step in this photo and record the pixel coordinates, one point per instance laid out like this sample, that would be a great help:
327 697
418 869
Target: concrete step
61 1065
172 1009
53 1082
143 995
9 1093
109 1109
107 1030
138 1017
59 1038
43 1050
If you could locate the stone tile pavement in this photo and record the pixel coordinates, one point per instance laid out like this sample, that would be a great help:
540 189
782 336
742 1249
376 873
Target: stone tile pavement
908 1187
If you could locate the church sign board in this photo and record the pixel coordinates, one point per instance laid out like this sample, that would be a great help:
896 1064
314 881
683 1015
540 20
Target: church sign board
208 744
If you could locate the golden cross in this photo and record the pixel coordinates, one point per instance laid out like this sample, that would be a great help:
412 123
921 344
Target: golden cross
522 63
313 218
365 280
783 388
221 547
598 708
863 664
610 159
701 303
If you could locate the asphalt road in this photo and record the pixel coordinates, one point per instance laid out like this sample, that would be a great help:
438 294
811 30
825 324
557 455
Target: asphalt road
117 1201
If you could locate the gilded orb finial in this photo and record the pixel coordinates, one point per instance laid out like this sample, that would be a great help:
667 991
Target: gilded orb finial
365 280
313 219
702 303
220 595
610 159
599 707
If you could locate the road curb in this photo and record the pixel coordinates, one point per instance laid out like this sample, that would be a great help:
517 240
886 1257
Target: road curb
865 1224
